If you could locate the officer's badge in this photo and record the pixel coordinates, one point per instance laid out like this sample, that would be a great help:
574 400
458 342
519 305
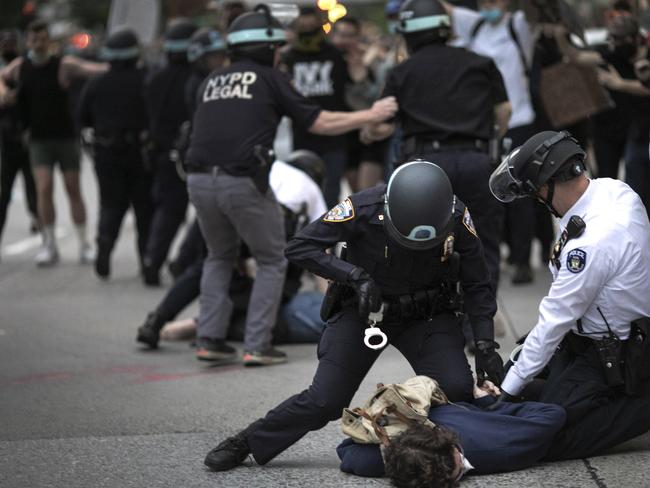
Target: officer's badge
342 212
469 223
557 249
447 248
576 260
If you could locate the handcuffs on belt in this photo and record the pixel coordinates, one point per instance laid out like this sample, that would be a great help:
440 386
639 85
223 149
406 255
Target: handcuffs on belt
373 329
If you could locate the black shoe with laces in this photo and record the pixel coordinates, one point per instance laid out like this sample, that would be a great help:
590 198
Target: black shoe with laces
228 454
149 332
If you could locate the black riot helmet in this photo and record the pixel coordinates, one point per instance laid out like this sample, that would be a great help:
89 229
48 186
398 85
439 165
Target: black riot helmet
419 205
177 38
309 162
256 35
545 158
121 45
205 41
423 22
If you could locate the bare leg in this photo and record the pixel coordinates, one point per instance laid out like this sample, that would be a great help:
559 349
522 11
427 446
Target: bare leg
73 189
45 190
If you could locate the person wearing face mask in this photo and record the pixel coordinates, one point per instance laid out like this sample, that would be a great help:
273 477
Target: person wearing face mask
320 73
622 132
42 81
508 40
14 156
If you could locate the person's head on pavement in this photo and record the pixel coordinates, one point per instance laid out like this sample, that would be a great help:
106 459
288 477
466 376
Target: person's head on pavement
550 167
425 457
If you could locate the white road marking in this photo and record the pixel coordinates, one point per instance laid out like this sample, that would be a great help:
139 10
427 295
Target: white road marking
29 243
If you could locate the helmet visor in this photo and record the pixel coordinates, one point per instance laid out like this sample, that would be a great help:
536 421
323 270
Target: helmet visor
503 185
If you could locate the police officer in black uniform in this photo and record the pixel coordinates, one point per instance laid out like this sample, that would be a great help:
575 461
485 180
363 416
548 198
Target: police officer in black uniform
165 97
113 105
450 100
410 246
239 109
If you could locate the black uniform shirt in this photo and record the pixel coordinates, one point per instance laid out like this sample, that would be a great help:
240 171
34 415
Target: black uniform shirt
113 102
239 107
165 98
358 221
192 91
320 76
445 92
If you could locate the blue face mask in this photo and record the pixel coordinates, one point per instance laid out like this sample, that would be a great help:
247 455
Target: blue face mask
492 15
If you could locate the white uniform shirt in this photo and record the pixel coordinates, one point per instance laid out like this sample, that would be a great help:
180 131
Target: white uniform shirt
293 188
495 41
606 268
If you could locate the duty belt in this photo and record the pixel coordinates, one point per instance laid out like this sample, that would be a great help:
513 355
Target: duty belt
423 304
414 144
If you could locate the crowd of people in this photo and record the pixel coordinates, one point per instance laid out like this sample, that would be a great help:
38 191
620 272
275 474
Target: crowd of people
426 124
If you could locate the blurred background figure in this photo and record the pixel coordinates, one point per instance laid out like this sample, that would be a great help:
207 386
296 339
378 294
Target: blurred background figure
14 157
41 79
320 73
113 106
167 111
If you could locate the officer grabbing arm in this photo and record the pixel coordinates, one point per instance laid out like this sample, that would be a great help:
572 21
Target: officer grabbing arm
238 111
601 285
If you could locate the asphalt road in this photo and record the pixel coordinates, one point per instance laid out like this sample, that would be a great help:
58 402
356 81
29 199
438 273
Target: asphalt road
82 406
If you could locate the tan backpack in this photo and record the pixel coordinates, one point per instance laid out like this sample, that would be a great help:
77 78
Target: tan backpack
392 409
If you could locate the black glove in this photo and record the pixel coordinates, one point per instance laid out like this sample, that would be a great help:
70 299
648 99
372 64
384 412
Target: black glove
488 362
504 397
367 291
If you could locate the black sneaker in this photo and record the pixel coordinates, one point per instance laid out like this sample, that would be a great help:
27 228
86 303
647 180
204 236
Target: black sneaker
228 454
214 350
264 358
103 264
149 332
522 275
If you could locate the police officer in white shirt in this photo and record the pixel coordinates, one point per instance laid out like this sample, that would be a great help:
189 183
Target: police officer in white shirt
600 290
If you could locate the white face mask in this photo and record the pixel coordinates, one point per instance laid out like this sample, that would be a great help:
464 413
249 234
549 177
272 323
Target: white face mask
465 465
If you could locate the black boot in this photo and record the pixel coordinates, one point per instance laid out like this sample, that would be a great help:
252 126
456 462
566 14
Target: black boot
103 263
149 332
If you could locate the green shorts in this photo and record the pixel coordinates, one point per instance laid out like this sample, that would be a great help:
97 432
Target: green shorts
48 152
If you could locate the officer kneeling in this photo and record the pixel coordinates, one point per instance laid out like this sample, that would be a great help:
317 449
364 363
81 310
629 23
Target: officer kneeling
411 246
597 310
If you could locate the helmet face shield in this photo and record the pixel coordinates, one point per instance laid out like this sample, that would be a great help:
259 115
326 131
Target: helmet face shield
503 185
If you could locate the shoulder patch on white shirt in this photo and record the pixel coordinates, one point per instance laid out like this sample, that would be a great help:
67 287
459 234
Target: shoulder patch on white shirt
468 222
342 212
576 260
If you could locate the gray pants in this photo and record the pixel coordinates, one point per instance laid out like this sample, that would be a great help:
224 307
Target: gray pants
230 208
